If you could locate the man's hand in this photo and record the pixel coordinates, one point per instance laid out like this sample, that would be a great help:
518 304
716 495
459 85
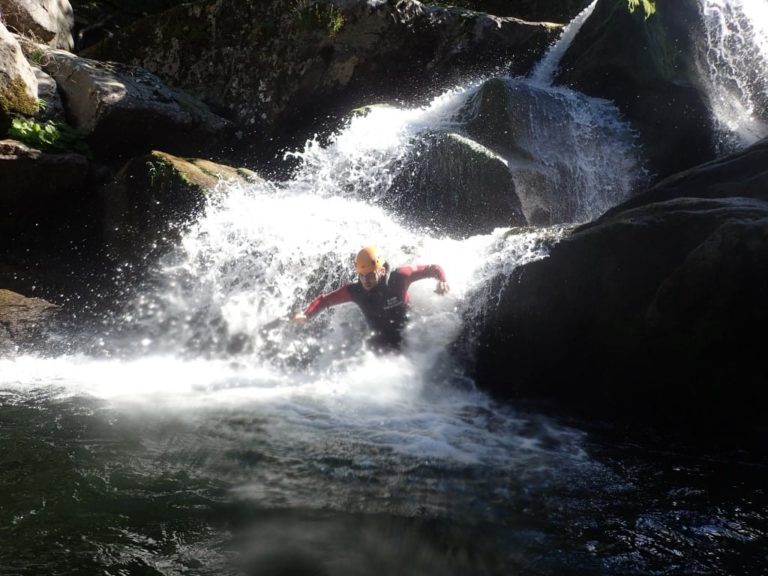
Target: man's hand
442 288
300 318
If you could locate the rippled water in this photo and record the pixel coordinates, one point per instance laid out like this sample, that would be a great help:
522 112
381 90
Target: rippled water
445 482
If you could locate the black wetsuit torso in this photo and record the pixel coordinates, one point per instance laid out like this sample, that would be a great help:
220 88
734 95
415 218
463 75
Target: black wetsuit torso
385 307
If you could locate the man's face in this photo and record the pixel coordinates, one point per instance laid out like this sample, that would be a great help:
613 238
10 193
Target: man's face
370 280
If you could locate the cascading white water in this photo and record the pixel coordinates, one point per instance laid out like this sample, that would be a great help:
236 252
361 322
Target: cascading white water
735 66
208 333
545 70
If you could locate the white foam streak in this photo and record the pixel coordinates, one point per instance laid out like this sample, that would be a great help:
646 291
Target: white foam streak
544 72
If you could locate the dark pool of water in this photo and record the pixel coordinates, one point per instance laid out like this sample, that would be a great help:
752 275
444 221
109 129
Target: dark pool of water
88 489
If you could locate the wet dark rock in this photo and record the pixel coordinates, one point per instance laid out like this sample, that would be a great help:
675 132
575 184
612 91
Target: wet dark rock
456 186
743 173
655 312
541 134
96 20
647 66
153 198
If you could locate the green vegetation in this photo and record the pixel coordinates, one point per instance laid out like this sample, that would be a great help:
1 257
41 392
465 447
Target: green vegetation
310 15
50 136
14 99
649 6
36 57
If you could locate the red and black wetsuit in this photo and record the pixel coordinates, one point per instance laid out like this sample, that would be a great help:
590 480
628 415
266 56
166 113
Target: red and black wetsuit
385 306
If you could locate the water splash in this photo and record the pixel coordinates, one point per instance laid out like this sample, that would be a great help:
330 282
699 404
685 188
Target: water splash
734 61
213 326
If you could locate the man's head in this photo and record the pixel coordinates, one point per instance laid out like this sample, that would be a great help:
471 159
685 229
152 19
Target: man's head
370 267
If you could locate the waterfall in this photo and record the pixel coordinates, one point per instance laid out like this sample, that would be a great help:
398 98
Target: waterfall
545 70
734 62
217 309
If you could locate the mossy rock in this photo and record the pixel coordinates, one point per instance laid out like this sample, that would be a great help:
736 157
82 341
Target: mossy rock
18 85
15 98
154 198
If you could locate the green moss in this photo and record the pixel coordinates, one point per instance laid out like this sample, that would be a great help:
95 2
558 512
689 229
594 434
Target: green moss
312 16
36 57
14 99
167 170
649 6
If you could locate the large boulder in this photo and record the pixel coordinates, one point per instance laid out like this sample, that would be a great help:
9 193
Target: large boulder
22 320
646 64
153 198
18 85
127 109
49 21
655 314
279 64
554 144
456 186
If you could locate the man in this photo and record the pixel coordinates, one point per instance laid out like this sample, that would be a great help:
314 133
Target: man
381 294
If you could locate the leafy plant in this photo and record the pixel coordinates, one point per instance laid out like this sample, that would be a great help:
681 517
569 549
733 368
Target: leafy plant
50 136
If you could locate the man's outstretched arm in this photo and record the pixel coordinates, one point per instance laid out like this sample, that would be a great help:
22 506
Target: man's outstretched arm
420 272
324 301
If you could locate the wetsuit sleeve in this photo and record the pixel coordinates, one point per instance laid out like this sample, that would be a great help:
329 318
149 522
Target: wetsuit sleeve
414 273
320 303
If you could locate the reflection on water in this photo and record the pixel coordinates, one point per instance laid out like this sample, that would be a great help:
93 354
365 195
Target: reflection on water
278 488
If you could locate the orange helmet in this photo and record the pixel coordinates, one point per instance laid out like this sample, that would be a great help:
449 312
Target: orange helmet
368 260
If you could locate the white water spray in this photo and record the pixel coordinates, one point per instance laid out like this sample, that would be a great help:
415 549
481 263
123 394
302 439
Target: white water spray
735 64
211 334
